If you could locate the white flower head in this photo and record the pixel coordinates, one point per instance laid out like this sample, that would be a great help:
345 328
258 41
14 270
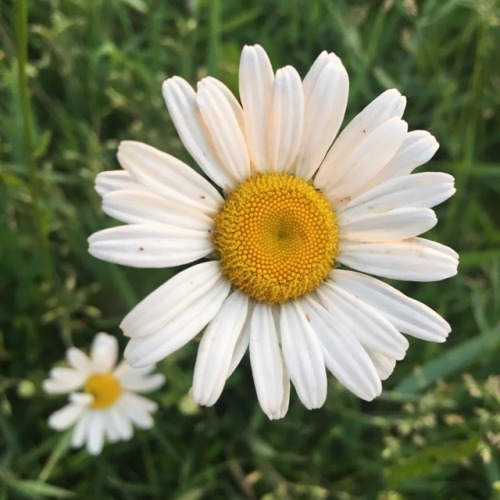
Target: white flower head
284 208
107 404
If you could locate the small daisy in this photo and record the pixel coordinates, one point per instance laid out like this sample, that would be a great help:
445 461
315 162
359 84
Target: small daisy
107 405
281 233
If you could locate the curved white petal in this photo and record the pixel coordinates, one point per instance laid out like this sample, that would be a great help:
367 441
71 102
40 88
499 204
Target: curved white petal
390 104
136 207
172 300
216 349
65 417
96 432
383 364
406 314
231 99
344 355
266 361
287 119
150 245
242 343
393 225
63 380
120 422
80 431
169 177
424 190
125 372
197 313
81 398
104 352
143 384
138 409
303 355
256 87
415 259
364 160
418 147
116 180
326 88
79 360
180 99
110 430
227 137
370 327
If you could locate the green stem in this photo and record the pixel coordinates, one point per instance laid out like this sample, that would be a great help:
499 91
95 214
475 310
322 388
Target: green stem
22 51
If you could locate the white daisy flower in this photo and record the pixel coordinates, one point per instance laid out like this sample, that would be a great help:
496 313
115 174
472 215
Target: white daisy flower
107 404
283 209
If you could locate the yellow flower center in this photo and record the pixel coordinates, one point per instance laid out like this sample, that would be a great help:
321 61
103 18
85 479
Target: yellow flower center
105 389
277 237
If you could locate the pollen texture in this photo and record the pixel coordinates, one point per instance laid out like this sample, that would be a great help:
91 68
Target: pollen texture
277 237
105 389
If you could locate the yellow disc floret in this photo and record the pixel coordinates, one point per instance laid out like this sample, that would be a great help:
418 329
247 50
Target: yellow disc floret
277 237
104 387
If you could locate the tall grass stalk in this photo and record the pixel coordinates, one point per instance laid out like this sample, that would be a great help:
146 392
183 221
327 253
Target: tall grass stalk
27 131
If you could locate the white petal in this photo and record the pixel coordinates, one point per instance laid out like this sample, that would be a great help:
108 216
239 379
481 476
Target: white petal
95 433
120 423
181 329
138 409
81 430
63 380
256 87
125 372
383 364
65 417
326 88
135 207
110 431
303 355
79 360
287 119
344 355
169 177
143 384
418 147
389 104
406 314
81 398
285 400
242 343
370 327
416 259
180 99
364 160
137 401
172 300
393 225
232 101
150 245
115 180
423 190
225 132
216 349
104 352
266 360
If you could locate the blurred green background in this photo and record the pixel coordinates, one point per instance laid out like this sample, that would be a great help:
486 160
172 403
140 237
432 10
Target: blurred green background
92 77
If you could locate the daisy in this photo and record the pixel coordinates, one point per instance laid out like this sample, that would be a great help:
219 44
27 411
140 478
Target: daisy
281 233
107 403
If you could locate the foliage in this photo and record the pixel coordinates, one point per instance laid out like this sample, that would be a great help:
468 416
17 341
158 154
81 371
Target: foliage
92 77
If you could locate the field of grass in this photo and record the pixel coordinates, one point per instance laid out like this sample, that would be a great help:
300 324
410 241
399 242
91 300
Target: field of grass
78 76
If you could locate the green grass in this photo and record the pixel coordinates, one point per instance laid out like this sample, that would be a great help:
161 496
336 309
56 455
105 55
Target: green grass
79 76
